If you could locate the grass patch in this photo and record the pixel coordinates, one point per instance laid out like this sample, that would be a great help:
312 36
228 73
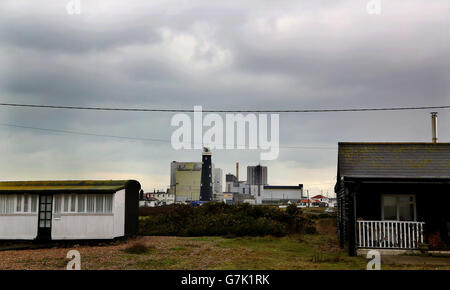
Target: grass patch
138 248
156 264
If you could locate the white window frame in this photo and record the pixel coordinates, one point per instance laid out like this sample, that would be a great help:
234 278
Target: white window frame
21 210
397 196
13 198
85 198
71 198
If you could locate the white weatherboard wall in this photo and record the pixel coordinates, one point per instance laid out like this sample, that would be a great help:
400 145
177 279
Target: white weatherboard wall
18 226
91 225
119 213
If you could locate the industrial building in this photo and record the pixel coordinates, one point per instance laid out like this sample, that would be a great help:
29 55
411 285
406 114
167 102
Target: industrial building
257 188
186 179
217 180
257 175
280 194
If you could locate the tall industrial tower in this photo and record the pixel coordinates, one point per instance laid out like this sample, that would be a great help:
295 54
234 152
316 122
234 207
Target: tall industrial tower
206 179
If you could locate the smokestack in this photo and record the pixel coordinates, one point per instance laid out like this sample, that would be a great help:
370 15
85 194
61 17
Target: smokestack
434 127
237 171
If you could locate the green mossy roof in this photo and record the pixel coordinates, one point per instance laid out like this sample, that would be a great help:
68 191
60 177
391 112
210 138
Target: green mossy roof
64 185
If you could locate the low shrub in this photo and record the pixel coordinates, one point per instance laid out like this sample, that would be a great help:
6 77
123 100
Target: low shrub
219 219
137 248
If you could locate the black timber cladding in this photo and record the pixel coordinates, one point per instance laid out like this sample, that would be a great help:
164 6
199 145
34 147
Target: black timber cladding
368 170
409 160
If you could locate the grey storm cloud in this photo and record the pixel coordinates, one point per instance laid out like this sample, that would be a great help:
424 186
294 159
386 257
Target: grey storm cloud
255 54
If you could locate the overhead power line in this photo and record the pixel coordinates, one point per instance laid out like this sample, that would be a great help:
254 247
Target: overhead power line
225 111
137 138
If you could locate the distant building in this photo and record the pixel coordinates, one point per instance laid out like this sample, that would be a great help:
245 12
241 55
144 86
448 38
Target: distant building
321 198
233 185
158 198
217 180
256 188
242 198
185 179
257 175
280 194
225 197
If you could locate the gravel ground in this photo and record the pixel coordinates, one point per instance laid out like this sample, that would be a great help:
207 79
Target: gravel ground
164 253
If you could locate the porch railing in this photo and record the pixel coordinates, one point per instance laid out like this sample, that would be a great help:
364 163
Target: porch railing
390 234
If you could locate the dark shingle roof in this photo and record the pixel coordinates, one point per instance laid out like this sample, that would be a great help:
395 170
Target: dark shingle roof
65 185
408 160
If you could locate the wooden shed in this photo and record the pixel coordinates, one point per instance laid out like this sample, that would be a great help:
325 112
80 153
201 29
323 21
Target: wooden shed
393 195
68 210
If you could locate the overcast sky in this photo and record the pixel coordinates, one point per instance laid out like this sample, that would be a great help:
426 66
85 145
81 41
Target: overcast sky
221 55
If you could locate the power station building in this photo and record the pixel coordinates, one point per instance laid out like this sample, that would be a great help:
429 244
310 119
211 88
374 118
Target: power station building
186 179
257 187
257 175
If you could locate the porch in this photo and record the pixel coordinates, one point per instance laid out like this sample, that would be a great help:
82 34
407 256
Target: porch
390 234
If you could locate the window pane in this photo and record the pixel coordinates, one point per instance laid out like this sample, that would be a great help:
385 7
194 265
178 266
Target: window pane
4 204
25 203
405 198
73 203
81 203
33 203
57 204
108 203
90 203
99 203
406 212
390 213
390 201
66 202
19 203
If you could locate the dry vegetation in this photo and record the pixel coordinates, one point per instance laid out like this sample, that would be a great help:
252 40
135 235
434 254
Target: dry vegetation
300 251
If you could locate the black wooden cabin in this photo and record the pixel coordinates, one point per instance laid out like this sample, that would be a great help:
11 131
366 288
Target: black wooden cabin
393 195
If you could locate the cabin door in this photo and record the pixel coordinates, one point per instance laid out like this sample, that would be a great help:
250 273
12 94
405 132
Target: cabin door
45 217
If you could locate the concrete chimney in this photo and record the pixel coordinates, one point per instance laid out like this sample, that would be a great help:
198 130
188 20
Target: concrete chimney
237 171
434 127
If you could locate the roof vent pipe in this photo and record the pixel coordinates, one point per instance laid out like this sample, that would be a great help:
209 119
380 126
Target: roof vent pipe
434 127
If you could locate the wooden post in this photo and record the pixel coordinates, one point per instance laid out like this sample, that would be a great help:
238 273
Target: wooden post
352 224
